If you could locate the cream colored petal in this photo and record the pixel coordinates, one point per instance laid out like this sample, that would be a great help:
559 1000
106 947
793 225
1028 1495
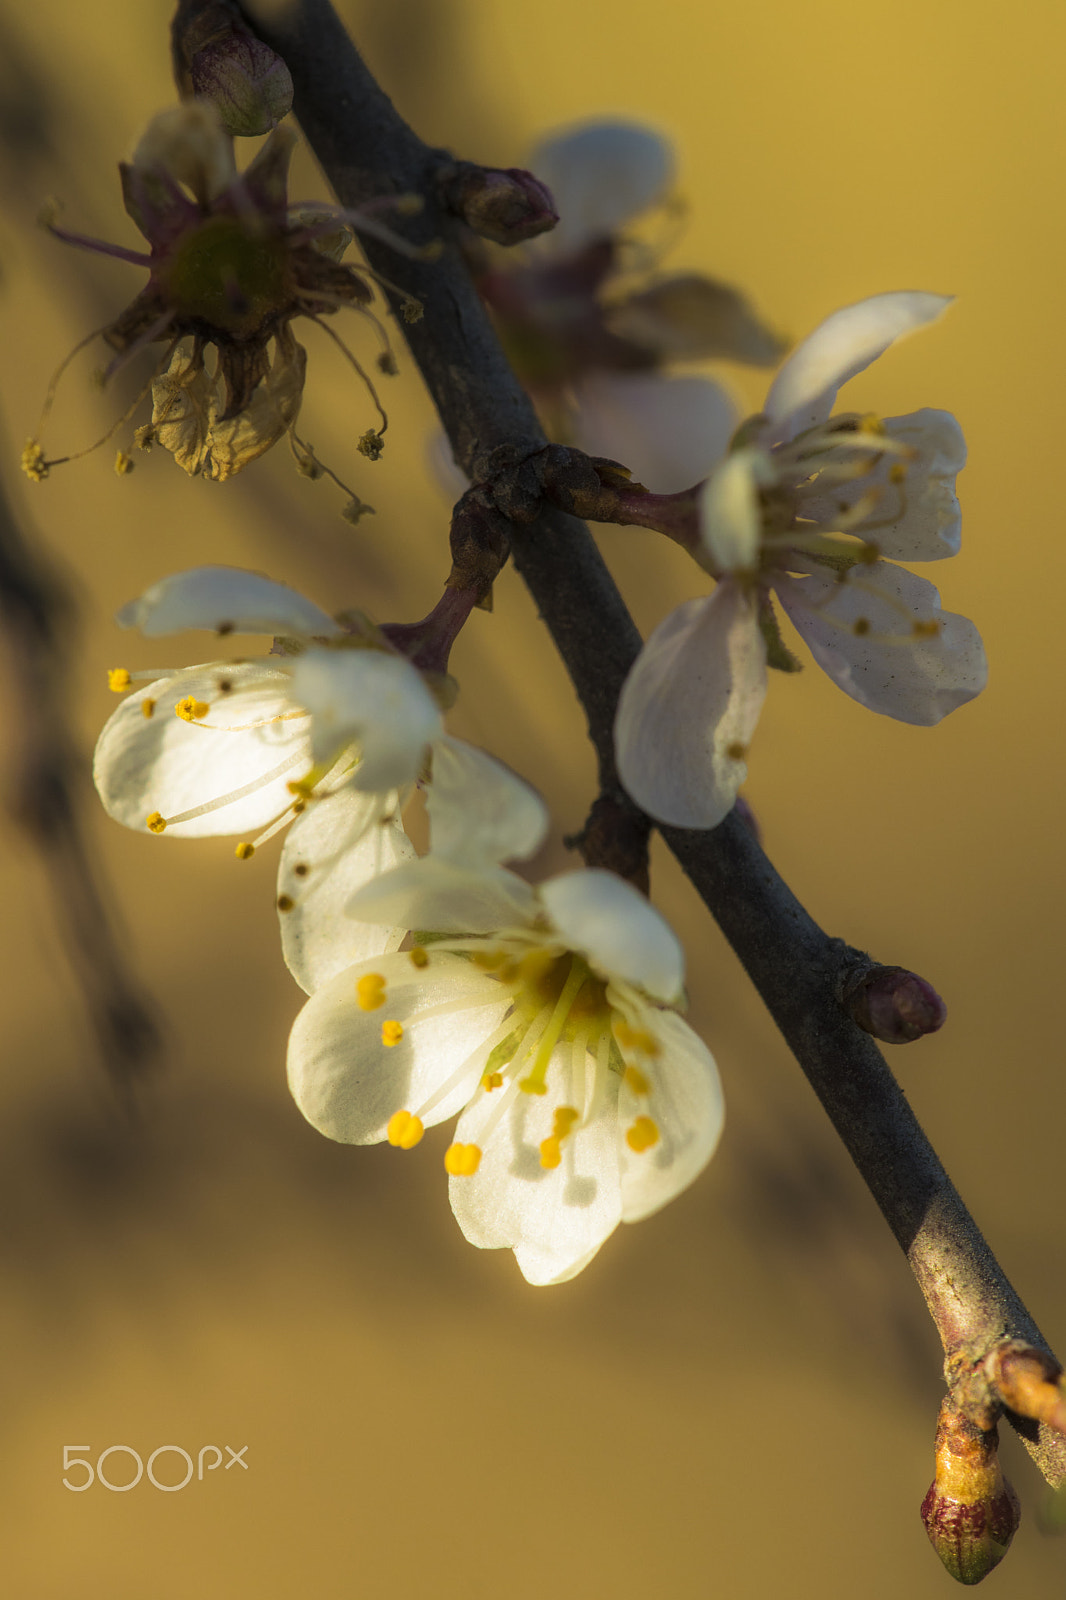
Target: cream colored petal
917 518
861 633
689 708
479 810
435 895
249 744
335 847
348 1082
226 600
621 933
686 1107
805 388
556 1219
376 699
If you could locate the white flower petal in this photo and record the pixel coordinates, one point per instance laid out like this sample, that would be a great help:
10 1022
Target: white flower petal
916 680
686 1106
436 895
805 388
689 707
163 763
226 600
348 1082
336 846
668 431
623 936
554 1220
919 519
479 810
374 698
730 519
601 174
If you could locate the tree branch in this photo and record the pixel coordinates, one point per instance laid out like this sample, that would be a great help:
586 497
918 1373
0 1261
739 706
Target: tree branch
366 151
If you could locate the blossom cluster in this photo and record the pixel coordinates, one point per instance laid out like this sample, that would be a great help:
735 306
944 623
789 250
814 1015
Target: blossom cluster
546 1017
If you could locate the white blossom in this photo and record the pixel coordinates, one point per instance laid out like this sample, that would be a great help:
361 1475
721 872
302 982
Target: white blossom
545 1018
330 735
816 509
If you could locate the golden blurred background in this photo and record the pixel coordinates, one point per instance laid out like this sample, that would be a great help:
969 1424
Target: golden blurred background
738 1397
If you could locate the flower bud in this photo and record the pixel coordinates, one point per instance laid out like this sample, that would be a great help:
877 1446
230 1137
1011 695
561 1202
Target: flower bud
971 1513
247 83
504 206
894 1005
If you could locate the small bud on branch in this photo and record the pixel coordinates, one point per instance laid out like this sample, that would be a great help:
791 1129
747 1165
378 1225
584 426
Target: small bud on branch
893 1004
217 57
971 1512
506 205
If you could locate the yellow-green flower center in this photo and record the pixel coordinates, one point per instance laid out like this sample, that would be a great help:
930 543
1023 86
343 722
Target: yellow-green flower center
230 276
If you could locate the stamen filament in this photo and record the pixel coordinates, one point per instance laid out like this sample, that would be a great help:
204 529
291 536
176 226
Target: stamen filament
236 794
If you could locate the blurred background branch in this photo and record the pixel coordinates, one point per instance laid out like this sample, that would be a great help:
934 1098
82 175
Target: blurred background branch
45 791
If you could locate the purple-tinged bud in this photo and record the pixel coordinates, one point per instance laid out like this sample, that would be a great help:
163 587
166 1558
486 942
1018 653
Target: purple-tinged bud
970 1513
506 206
893 1004
245 81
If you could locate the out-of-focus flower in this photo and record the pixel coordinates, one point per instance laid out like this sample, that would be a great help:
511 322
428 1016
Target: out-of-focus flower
588 323
333 730
806 506
546 1018
231 265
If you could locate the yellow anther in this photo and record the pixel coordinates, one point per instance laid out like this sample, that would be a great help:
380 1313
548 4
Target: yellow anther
462 1160
404 1130
635 1039
419 956
190 709
493 1080
536 966
33 463
370 991
925 630
123 464
371 445
155 823
118 680
147 708
489 960
736 751
635 1080
391 1033
860 627
871 423
550 1154
642 1135
245 851
565 1117
533 1086
301 788
897 471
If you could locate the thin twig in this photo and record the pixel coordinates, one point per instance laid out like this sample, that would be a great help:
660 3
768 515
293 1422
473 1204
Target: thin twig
367 150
